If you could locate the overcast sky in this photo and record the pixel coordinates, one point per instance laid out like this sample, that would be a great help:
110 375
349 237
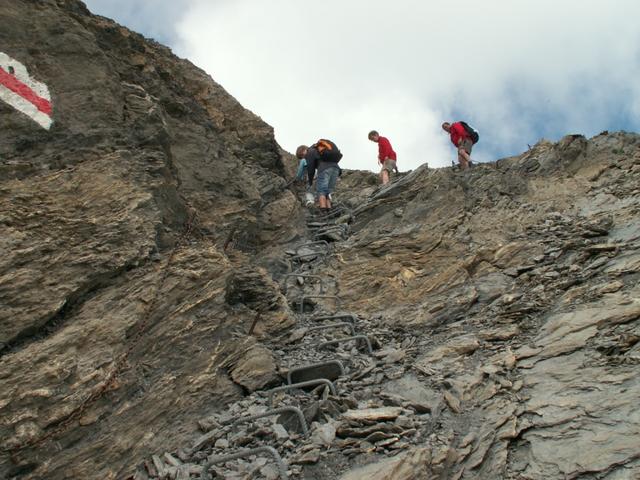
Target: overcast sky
517 70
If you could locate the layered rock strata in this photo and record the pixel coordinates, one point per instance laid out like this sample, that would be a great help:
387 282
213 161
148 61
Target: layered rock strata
120 226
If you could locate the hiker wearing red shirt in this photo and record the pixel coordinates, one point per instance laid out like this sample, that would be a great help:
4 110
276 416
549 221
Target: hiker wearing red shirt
386 156
462 141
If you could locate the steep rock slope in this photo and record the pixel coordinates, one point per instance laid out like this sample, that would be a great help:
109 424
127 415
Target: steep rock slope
120 227
520 281
502 307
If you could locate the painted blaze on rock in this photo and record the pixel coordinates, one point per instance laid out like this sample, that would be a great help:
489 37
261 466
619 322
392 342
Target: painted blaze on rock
23 93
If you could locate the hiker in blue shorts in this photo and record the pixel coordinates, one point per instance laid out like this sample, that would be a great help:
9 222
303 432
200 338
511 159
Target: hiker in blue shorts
323 157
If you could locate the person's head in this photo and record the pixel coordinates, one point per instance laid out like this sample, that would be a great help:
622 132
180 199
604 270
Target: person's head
301 151
373 136
446 126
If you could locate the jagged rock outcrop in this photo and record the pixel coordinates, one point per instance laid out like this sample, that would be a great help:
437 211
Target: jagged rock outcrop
520 279
109 335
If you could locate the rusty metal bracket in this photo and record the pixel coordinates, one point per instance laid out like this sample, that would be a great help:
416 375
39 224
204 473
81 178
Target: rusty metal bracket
302 275
282 469
255 322
337 363
339 316
269 413
308 383
347 339
349 325
304 297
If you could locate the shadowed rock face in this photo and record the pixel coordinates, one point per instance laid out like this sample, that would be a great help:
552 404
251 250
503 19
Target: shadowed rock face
143 144
143 232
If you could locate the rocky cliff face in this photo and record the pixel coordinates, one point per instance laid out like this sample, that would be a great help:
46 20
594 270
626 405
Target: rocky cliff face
148 229
119 228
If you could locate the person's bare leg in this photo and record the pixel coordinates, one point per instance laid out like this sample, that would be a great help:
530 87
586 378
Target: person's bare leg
323 201
385 177
463 158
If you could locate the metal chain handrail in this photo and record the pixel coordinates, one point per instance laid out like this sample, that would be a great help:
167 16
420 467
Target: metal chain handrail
118 367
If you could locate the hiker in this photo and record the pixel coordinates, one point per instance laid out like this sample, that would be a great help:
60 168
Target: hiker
386 156
299 178
462 136
322 156
302 170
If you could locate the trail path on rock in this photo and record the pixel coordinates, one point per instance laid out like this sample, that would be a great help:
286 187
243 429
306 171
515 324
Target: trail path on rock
359 417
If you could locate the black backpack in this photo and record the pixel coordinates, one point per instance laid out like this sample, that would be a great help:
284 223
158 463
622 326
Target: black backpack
328 151
473 133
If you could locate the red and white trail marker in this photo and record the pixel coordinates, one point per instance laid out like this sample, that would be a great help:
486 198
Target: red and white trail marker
24 93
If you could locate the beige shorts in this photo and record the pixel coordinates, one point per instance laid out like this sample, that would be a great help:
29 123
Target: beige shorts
389 166
466 144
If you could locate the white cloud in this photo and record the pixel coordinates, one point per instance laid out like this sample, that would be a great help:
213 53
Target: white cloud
515 69
152 18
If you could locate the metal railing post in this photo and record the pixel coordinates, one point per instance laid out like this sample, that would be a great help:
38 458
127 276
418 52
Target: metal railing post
308 383
275 411
337 363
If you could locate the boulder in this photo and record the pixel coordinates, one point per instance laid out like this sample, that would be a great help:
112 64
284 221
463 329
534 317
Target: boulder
255 369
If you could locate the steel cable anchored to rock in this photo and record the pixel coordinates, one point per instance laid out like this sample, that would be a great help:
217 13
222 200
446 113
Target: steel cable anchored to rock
120 364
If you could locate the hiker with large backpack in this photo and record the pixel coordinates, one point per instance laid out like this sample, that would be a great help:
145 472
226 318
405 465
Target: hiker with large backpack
323 157
463 137
386 156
